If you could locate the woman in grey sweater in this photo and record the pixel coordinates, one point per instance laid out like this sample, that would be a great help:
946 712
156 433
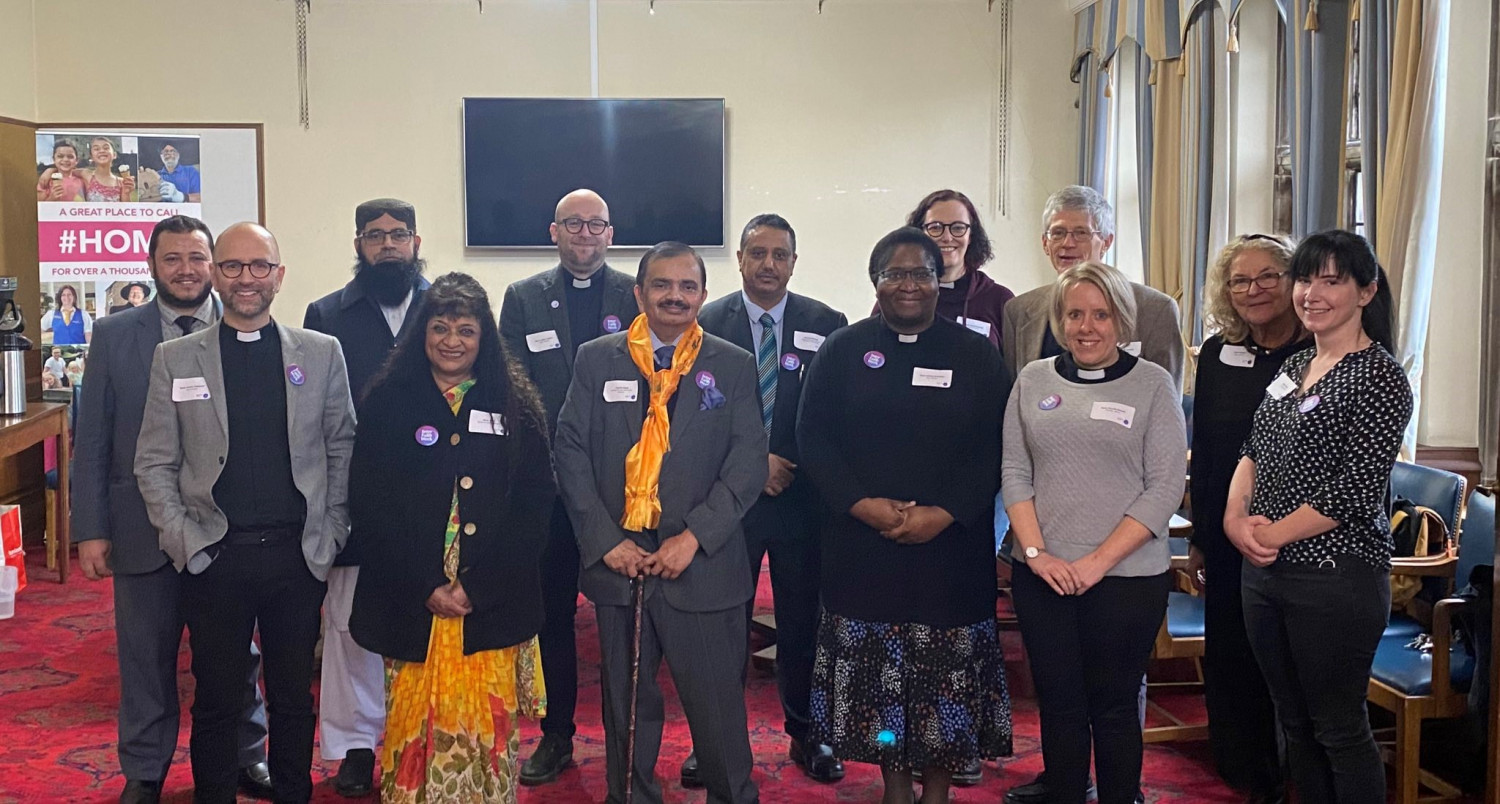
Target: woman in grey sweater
1092 471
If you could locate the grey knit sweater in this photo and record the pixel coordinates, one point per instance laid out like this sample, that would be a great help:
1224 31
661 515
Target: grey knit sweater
1090 454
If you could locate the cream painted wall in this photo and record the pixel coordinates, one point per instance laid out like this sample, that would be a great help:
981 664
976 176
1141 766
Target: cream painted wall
1450 399
17 60
840 121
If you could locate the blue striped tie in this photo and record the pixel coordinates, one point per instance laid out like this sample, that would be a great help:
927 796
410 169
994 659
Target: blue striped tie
766 368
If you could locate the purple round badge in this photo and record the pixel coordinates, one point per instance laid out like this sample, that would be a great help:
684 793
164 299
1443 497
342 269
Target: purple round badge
874 359
427 435
791 362
611 324
294 373
1050 403
704 379
1309 402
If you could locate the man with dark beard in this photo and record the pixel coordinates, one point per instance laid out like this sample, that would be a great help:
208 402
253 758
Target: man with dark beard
366 316
115 538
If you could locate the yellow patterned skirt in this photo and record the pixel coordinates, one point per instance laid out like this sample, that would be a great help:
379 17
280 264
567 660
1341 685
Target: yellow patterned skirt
452 732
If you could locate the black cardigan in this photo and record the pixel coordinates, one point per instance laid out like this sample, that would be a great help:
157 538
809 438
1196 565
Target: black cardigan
400 494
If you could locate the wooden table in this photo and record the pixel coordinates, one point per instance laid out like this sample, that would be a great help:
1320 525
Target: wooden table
41 421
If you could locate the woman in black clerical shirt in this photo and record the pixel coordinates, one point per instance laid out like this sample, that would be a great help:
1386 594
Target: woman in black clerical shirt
1248 305
1307 509
900 432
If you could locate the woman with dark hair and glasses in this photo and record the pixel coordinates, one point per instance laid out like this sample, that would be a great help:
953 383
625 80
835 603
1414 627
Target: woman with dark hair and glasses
1307 508
966 294
900 432
1248 306
450 490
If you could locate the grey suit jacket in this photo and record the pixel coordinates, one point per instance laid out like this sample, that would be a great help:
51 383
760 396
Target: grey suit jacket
107 503
183 445
1025 327
713 473
538 304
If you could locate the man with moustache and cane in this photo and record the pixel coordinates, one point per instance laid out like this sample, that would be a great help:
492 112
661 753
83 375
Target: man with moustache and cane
366 316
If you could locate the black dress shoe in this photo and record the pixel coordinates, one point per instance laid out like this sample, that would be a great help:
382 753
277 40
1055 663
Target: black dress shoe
255 781
1037 792
552 755
356 776
689 777
817 761
138 792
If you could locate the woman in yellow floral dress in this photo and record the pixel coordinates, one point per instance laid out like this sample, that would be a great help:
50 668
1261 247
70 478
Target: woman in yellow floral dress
450 491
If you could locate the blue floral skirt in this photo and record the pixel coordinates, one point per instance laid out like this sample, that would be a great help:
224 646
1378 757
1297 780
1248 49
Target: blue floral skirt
909 696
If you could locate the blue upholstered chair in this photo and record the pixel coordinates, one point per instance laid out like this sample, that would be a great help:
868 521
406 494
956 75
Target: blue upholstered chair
1418 686
1443 492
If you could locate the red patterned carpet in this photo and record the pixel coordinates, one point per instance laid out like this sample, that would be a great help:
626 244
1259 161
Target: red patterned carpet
58 694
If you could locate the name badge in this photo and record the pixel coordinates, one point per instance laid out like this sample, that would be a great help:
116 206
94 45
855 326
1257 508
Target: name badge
621 390
188 389
1281 386
931 378
981 327
1237 356
807 341
484 422
1113 412
542 341
1133 348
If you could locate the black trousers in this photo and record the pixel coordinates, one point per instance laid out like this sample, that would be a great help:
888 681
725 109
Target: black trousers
558 642
795 560
1242 729
1314 631
1087 654
245 586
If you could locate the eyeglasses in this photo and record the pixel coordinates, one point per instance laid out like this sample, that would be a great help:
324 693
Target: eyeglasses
575 225
260 269
919 275
934 229
1266 281
375 237
1060 234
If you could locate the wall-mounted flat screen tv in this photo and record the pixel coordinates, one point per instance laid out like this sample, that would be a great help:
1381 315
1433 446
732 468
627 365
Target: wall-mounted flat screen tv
659 164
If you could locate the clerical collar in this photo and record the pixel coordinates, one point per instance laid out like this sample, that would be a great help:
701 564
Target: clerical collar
961 283
251 336
574 281
904 338
1068 369
582 283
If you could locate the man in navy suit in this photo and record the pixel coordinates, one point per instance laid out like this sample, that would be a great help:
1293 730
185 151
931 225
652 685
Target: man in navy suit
366 316
114 535
783 330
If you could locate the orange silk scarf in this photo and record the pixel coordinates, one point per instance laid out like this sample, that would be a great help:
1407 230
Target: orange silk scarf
643 462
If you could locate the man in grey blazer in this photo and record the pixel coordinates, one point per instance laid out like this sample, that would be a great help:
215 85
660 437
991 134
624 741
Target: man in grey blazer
679 529
116 538
243 462
1078 225
543 321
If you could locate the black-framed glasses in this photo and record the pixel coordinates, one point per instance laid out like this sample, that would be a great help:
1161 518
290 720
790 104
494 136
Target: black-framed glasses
897 277
1269 280
260 269
1078 235
375 237
575 225
934 229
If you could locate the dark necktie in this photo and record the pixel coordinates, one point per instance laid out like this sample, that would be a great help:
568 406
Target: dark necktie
765 369
185 323
664 357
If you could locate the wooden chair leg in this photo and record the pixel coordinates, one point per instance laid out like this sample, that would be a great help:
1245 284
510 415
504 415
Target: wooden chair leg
50 538
1408 752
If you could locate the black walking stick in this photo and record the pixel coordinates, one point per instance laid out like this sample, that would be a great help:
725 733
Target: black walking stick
637 600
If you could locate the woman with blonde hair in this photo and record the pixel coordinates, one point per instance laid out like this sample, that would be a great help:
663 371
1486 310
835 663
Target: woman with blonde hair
1248 306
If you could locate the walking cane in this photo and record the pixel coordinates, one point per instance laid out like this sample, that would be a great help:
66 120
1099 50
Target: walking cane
637 599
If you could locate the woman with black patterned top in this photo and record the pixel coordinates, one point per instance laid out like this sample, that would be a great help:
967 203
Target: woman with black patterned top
1307 509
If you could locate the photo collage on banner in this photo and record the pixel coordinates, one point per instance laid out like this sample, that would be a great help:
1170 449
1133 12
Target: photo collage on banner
98 197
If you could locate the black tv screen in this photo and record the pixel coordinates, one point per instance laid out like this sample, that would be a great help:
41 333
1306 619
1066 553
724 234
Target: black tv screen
659 164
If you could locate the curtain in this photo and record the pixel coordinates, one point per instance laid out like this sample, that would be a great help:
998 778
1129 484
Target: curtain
1317 35
1489 326
1093 101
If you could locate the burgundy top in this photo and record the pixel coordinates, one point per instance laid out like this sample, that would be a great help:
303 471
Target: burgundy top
974 297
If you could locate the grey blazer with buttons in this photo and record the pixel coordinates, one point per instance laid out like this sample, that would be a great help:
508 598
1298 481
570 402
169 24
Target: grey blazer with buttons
182 445
713 473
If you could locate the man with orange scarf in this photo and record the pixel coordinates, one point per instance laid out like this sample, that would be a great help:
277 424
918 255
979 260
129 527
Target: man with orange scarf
660 449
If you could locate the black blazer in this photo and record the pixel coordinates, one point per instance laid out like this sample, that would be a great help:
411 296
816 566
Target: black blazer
725 317
538 304
399 497
359 325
